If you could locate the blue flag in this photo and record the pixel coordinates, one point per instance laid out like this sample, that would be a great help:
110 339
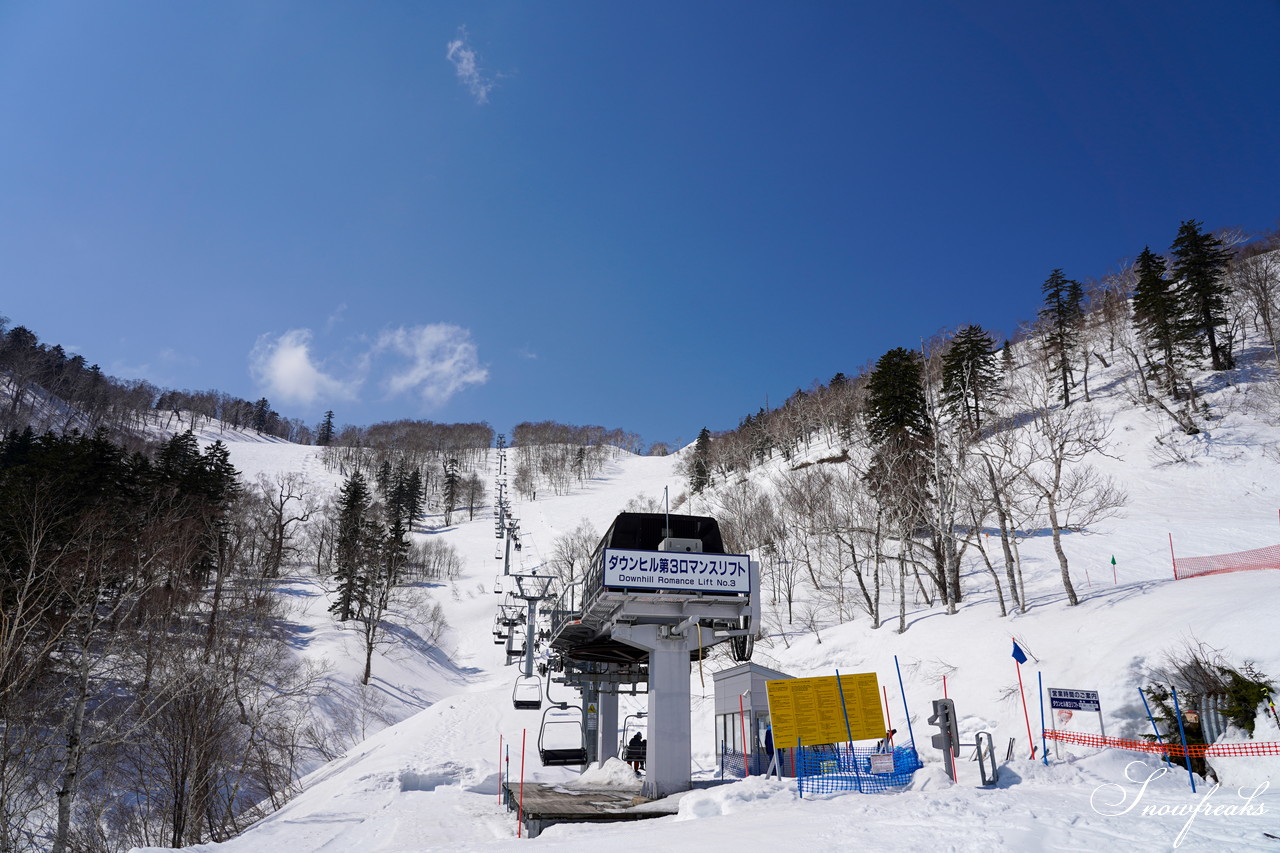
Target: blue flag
1018 654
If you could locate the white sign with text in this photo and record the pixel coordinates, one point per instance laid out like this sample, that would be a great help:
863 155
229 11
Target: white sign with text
676 571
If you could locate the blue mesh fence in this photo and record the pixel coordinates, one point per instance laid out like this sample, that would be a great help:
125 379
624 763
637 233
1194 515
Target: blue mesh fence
732 763
840 767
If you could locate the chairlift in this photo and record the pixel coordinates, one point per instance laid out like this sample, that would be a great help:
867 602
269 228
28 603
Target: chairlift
527 694
515 652
625 749
562 742
497 585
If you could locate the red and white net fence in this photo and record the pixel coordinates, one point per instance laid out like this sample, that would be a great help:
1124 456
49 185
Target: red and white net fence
1174 750
1241 561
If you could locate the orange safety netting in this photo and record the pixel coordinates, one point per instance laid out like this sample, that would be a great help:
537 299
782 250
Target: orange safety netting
1241 561
1176 750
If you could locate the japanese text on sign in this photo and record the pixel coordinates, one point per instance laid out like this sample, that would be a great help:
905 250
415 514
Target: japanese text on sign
1074 700
810 710
675 570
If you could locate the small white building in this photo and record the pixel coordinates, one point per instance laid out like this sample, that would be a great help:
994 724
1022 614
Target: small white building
740 691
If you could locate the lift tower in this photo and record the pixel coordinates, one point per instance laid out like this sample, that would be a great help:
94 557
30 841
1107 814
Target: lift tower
659 591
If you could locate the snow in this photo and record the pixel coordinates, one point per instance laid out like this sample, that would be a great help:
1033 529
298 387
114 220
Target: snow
430 781
613 773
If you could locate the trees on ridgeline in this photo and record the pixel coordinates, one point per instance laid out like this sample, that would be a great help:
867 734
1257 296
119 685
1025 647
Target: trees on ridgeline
1060 327
1200 265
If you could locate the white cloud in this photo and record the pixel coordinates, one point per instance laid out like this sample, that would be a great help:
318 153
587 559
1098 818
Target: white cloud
335 318
283 366
441 361
466 63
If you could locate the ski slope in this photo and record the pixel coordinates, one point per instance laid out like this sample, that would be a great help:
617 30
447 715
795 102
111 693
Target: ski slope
430 781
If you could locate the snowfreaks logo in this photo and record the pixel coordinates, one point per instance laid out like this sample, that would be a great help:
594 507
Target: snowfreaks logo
1101 802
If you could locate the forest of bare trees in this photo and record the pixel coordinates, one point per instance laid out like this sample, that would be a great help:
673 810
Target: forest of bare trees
137 637
885 484
553 457
148 693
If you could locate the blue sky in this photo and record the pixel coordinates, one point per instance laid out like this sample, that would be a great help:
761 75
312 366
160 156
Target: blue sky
655 216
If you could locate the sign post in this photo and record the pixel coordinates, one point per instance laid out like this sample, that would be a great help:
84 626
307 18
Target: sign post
1077 700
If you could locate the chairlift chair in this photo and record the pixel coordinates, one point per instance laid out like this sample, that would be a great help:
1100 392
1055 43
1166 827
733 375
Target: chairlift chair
527 694
567 744
515 652
625 749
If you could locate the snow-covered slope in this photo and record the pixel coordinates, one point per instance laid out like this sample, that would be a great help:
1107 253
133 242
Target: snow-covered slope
429 782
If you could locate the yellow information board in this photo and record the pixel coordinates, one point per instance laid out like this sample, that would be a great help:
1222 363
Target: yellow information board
809 709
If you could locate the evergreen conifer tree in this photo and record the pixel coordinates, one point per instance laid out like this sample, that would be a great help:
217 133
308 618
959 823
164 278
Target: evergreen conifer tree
896 407
1200 265
758 429
351 547
969 374
395 549
450 489
1061 317
1159 318
261 414
324 434
413 498
897 419
700 469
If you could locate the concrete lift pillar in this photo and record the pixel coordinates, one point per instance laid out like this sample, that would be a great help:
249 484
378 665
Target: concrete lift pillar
669 754
608 733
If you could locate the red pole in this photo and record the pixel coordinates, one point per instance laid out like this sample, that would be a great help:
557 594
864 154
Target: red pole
950 754
742 717
1025 715
520 814
499 767
1172 557
888 723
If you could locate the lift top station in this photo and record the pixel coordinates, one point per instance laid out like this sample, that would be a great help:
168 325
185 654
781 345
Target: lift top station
658 593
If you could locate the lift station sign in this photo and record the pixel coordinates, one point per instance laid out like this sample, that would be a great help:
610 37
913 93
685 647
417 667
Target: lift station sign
676 571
